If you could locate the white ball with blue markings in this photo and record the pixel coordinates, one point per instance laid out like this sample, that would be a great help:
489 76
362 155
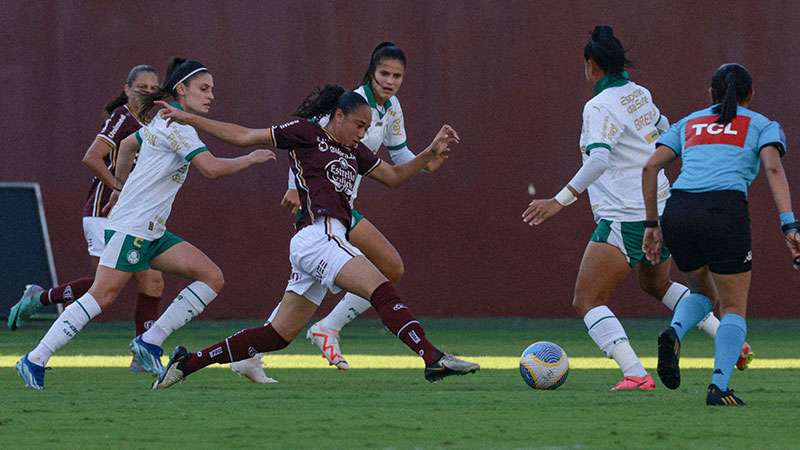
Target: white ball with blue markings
544 365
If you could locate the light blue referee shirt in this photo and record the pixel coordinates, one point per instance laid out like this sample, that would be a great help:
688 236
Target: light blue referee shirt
721 157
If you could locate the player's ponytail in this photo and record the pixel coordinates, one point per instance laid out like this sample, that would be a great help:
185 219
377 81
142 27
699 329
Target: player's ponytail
323 101
179 71
384 50
606 50
122 98
730 85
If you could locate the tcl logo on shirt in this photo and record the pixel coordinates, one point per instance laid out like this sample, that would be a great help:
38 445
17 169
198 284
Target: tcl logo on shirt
704 131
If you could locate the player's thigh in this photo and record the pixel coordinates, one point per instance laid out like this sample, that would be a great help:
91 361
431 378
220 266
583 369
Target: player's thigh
150 282
733 292
107 285
602 268
654 280
374 245
294 312
360 277
187 261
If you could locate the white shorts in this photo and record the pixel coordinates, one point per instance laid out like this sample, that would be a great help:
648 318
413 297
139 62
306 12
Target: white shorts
317 254
94 231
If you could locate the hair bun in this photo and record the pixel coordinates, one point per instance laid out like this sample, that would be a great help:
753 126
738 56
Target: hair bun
602 32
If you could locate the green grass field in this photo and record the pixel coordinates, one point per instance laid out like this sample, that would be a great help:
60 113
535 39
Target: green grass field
92 401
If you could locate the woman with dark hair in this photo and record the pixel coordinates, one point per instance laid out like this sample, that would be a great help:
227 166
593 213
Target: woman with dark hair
706 223
136 237
326 161
101 159
620 126
379 87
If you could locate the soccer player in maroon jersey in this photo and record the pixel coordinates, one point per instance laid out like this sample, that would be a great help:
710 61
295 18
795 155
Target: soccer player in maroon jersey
325 162
101 158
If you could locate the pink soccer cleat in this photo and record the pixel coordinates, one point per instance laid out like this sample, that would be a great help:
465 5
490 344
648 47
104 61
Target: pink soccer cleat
745 357
644 383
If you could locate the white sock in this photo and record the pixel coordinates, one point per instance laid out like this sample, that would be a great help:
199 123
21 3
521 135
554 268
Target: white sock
350 307
66 327
606 331
709 325
189 303
674 294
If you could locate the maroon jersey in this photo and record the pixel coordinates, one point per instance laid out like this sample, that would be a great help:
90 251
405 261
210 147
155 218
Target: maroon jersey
121 124
324 170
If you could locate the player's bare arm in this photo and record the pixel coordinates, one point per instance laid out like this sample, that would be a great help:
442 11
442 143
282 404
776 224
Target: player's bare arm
228 132
773 168
212 167
394 176
94 159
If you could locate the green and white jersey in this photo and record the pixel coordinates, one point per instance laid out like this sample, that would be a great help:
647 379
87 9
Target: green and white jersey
622 118
146 199
387 129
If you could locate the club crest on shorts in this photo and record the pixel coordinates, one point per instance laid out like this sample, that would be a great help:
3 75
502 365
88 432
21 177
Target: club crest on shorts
133 256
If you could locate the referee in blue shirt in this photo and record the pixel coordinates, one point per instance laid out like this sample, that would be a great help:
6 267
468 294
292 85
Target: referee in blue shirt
706 224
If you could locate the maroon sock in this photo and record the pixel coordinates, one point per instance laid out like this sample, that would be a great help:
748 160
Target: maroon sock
242 345
399 320
66 293
146 312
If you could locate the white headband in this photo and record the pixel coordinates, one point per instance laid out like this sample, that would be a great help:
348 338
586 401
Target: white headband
199 69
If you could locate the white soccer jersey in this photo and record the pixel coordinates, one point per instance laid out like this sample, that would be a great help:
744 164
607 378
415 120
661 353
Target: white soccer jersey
623 119
146 199
387 128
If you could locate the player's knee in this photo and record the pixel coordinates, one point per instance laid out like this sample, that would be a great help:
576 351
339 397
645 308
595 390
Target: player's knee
214 279
583 303
654 287
395 271
151 284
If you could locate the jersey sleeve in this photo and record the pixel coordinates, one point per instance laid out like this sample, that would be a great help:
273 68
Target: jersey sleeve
773 134
292 134
672 138
367 161
113 130
185 140
600 128
395 133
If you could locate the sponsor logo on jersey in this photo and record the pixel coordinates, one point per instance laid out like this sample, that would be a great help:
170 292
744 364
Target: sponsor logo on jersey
288 124
116 127
396 127
342 175
705 131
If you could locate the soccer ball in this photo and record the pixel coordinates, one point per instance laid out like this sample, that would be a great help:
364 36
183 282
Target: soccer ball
544 365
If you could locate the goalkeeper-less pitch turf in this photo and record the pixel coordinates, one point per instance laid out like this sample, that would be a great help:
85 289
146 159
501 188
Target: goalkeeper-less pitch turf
92 401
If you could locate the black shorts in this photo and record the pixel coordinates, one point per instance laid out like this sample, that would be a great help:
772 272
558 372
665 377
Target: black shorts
708 229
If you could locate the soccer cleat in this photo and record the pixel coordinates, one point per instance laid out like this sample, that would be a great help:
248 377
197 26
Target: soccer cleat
32 374
669 353
631 383
173 373
253 370
147 356
449 365
27 306
328 341
718 397
745 357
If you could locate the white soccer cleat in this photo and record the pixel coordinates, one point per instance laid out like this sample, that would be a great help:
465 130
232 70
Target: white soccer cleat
328 341
253 370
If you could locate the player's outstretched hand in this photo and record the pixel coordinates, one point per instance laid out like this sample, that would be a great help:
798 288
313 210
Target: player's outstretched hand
441 143
261 156
540 210
291 200
172 113
652 243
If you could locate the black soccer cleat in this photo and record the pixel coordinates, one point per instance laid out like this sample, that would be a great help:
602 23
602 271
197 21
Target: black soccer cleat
718 397
449 365
669 353
173 373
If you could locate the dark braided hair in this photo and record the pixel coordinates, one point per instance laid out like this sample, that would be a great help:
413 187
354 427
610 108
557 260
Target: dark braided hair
730 85
324 101
178 68
122 98
606 50
384 50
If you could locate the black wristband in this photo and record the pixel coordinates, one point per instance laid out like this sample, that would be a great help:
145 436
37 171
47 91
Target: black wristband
651 224
790 226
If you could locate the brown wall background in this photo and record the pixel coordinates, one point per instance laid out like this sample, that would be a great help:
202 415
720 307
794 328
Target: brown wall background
507 74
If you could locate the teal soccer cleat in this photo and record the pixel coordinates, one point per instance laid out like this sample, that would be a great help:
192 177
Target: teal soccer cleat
25 307
147 356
